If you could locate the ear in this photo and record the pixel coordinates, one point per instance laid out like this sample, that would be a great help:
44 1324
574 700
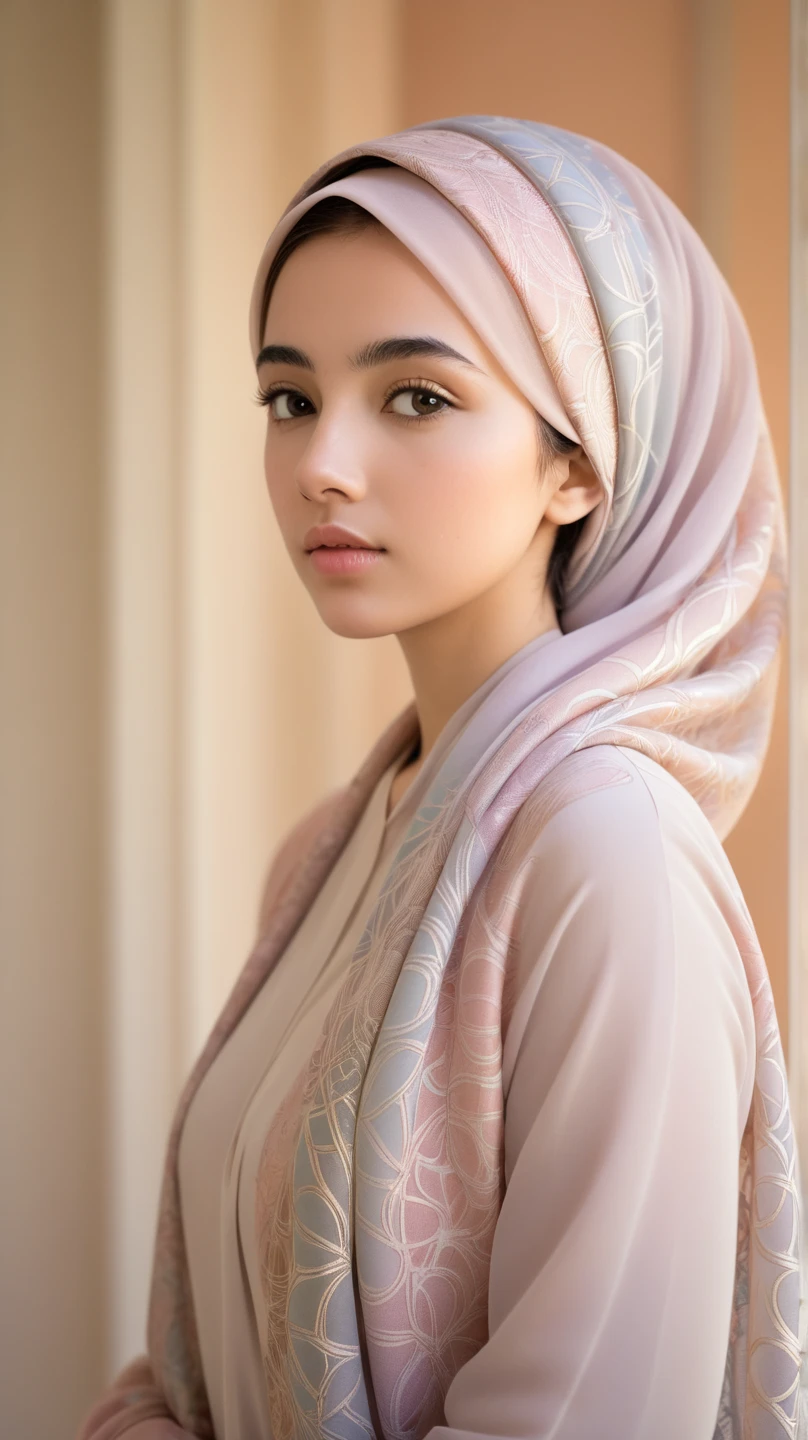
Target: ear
575 488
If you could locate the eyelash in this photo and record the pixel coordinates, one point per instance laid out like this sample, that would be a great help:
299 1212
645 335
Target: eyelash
265 396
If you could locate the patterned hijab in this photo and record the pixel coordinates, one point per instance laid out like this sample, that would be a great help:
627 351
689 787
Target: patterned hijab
674 611
676 588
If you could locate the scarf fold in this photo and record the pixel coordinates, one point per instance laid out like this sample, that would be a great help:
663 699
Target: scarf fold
382 1169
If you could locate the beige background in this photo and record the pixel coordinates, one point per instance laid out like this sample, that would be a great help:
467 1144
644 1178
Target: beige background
171 701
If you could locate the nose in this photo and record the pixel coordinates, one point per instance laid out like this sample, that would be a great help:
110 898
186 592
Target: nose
334 457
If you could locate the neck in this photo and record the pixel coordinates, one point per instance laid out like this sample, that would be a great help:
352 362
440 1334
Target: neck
451 657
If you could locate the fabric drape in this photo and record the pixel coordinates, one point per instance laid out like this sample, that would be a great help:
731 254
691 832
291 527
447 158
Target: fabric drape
670 648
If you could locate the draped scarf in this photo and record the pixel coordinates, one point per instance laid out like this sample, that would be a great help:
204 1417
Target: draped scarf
381 1177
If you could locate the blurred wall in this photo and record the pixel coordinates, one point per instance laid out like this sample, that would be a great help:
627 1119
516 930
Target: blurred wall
52 880
172 702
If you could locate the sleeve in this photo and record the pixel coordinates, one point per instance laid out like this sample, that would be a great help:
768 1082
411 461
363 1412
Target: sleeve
628 1067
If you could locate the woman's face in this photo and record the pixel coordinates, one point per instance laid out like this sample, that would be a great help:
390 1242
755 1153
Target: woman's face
434 458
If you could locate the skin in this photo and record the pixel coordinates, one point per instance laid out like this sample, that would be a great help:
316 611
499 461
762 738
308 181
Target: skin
458 496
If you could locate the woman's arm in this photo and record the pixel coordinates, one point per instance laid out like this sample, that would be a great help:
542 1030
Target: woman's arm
132 1406
628 1068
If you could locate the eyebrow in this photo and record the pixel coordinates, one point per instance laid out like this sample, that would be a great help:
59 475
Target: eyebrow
377 352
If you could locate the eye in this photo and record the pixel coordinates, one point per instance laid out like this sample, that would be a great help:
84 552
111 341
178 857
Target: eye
285 404
418 401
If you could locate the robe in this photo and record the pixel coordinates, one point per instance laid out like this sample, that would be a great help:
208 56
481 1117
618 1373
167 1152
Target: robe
628 1069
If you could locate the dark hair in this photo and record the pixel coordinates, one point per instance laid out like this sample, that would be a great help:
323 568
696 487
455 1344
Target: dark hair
336 214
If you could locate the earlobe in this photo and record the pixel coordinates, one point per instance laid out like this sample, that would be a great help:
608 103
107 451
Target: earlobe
577 491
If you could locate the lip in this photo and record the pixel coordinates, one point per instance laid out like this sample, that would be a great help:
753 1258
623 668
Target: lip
333 534
352 561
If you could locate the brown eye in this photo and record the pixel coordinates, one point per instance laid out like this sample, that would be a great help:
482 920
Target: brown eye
288 404
418 401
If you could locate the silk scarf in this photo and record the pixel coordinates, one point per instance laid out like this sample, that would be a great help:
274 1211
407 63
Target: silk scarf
674 614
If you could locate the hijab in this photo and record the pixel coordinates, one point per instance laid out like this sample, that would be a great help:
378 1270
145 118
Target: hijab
677 586
603 305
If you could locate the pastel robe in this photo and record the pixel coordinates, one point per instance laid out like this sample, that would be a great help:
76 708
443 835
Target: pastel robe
627 1067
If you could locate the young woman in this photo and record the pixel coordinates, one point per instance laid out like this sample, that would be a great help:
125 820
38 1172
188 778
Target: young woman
492 1138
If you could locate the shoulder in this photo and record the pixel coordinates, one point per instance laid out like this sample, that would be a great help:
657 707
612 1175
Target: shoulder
592 817
611 812
590 842
627 907
621 872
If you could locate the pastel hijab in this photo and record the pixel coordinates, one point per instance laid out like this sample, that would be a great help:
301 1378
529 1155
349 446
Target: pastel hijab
604 306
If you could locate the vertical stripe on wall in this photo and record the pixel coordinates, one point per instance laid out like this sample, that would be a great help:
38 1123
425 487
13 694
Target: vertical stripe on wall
143 555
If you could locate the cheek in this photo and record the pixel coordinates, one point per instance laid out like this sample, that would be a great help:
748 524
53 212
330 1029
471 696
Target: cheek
476 488
278 473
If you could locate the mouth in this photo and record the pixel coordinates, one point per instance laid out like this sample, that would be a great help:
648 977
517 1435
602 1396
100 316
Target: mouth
344 559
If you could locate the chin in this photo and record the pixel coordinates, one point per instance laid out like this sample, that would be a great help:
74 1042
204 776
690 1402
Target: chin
370 622
357 627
